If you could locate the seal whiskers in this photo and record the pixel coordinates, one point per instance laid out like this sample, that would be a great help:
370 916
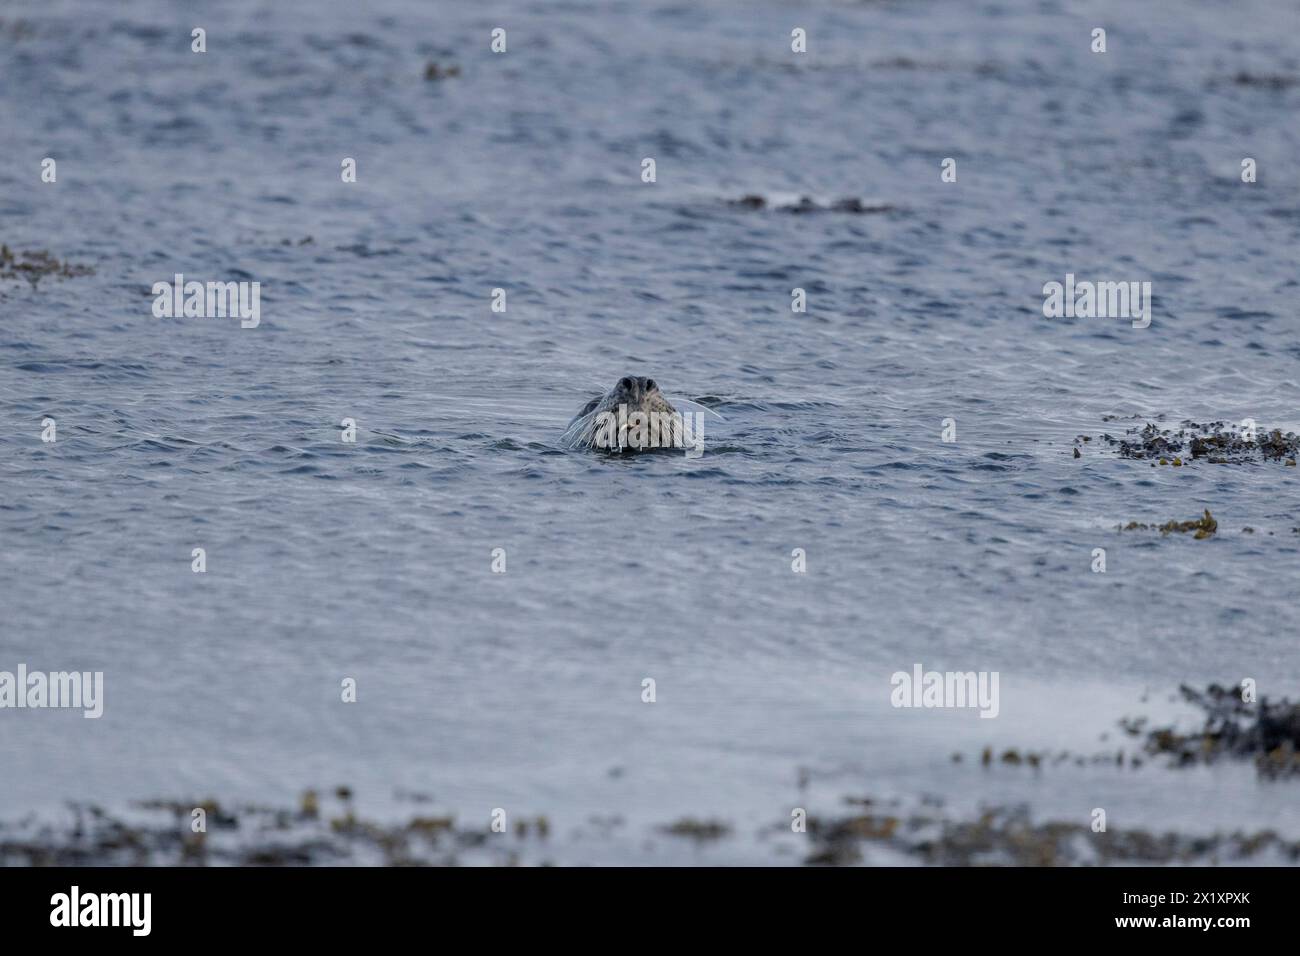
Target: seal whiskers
631 416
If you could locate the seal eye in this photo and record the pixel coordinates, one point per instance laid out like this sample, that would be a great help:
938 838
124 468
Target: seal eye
625 384
650 385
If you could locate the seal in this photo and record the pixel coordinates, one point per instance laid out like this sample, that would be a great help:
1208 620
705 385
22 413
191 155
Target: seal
631 416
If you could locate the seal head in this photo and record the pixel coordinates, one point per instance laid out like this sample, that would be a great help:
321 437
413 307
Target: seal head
631 416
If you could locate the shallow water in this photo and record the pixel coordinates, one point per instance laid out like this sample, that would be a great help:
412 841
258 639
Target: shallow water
372 560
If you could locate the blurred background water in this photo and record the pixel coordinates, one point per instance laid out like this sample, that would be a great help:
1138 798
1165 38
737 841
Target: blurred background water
522 690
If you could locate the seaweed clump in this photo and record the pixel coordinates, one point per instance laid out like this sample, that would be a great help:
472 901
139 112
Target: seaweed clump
806 204
159 833
1204 526
701 831
1215 443
1008 836
433 71
1267 732
36 265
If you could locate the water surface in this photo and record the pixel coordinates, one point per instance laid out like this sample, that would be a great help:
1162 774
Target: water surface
372 560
